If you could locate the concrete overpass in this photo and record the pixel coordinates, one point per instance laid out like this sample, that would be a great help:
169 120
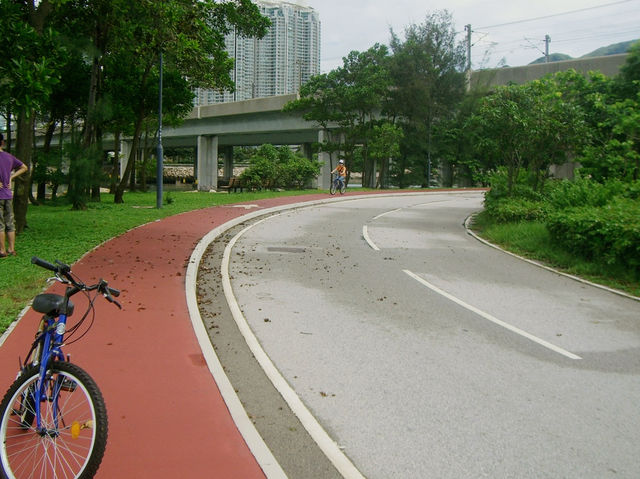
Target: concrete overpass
215 129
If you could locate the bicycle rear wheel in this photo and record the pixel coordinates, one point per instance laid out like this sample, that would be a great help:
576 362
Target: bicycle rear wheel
73 436
343 187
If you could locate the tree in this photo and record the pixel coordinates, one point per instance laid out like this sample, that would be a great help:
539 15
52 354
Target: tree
26 79
501 128
532 126
366 81
427 72
190 34
383 146
628 81
65 104
347 103
319 102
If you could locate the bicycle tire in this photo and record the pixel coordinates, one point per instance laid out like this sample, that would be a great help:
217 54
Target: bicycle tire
73 447
332 188
343 188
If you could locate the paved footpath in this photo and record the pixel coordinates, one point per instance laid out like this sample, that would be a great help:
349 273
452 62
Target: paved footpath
167 418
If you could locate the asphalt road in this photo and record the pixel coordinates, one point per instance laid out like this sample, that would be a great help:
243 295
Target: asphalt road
424 353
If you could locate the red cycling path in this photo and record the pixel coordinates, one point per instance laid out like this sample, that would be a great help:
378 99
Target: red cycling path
167 418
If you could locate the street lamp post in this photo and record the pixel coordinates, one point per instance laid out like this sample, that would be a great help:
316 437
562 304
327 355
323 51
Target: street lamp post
160 153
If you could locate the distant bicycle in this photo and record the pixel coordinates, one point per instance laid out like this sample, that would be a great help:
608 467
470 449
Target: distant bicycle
53 420
337 184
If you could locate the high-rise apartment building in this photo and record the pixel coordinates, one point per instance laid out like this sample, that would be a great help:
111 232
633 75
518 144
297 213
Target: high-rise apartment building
277 64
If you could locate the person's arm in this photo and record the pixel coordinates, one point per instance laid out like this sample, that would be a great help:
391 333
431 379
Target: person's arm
23 169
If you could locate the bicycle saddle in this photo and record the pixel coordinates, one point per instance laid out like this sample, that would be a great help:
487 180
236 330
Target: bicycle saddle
51 304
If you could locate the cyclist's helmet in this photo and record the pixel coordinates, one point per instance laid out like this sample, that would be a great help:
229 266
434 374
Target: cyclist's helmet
341 162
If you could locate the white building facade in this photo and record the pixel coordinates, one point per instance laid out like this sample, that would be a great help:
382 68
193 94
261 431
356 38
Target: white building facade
277 64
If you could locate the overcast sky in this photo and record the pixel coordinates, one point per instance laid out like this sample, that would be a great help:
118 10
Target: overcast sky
576 27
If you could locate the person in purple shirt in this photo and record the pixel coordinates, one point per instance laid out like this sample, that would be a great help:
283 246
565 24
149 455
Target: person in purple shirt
10 168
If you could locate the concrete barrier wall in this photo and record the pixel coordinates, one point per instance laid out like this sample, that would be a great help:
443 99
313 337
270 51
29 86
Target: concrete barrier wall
608 65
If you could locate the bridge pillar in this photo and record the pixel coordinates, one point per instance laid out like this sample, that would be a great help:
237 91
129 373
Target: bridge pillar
307 151
207 158
227 168
324 180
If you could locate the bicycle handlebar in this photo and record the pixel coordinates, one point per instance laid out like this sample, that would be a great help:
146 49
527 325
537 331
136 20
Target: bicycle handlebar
65 270
44 264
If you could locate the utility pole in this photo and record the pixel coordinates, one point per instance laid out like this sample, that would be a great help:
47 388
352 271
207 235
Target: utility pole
468 30
547 40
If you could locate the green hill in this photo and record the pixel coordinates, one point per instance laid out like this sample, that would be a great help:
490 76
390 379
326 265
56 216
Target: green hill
553 57
622 47
614 49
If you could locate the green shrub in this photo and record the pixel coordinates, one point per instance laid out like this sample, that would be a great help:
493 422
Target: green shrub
272 167
632 190
508 210
298 172
582 192
610 233
499 183
262 173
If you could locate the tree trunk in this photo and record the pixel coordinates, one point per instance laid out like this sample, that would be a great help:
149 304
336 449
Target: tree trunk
8 137
115 169
24 151
46 150
119 194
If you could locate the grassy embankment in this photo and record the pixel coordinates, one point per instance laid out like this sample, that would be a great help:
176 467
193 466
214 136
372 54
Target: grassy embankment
532 240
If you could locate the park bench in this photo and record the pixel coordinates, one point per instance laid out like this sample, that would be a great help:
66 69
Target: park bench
234 185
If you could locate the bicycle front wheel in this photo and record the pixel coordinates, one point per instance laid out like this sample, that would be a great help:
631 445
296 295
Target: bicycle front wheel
332 188
72 436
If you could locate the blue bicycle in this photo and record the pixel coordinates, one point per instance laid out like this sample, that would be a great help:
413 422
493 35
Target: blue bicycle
53 419
337 185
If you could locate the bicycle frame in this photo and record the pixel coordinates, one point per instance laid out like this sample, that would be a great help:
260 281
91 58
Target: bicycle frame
50 342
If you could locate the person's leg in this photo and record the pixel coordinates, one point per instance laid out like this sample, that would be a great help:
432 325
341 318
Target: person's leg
3 251
11 242
10 227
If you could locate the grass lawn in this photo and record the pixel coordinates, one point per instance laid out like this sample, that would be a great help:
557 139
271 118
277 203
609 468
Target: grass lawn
57 232
531 240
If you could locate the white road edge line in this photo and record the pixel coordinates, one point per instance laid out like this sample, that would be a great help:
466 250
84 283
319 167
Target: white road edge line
263 455
313 427
365 228
493 319
385 213
365 235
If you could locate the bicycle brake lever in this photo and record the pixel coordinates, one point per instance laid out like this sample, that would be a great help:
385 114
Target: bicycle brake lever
108 297
56 278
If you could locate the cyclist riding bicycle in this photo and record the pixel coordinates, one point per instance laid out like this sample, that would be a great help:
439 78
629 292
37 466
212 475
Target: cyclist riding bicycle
341 170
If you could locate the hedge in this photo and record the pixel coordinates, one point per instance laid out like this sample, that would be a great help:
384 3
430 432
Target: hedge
610 233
